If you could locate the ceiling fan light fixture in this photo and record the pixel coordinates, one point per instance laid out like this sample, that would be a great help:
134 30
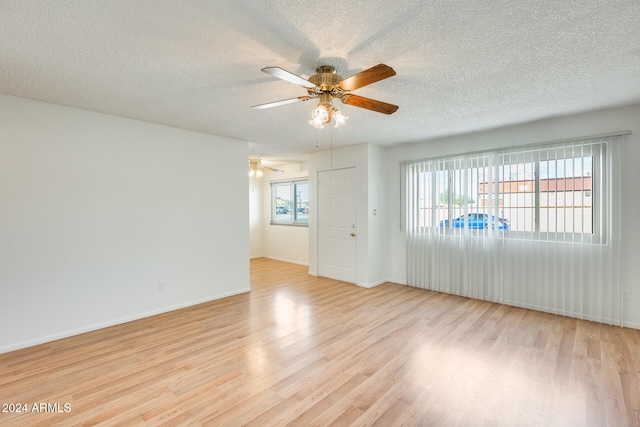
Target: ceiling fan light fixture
339 118
320 116
316 124
324 113
255 172
254 168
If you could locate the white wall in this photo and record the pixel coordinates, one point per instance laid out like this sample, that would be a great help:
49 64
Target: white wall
97 210
283 242
376 214
542 131
371 249
256 226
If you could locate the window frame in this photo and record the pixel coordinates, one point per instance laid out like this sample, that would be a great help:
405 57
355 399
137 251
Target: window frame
494 160
294 217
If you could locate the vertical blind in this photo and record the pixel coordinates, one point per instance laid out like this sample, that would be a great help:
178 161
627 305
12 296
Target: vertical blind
536 227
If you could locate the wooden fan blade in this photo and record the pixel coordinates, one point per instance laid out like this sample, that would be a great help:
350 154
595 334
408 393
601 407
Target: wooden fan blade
272 169
287 76
366 77
283 102
369 104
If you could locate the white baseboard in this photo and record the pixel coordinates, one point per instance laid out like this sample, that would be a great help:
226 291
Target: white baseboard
603 320
566 313
102 325
633 325
286 260
373 284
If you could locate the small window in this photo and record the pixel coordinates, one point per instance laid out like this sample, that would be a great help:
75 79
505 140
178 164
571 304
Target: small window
290 202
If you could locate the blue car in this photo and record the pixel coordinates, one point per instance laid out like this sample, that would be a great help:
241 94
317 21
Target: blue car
476 221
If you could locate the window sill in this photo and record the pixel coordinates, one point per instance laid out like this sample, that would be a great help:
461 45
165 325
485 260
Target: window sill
290 224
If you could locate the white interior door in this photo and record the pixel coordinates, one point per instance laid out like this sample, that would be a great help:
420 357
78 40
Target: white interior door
337 224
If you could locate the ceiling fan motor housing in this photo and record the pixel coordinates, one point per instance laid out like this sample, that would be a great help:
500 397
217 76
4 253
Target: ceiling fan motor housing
325 78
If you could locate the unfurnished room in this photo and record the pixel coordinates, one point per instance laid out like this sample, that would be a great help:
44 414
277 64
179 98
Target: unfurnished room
286 213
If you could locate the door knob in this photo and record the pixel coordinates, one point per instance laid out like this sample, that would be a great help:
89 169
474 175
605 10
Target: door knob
353 234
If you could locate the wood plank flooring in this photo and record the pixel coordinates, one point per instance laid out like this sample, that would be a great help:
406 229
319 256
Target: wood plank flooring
305 351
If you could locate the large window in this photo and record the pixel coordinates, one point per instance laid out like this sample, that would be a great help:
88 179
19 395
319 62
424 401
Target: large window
536 226
526 192
290 202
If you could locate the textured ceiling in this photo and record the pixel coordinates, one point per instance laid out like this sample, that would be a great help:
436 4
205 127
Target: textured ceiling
461 65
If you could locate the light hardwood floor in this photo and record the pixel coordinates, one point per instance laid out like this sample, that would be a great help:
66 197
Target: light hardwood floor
304 351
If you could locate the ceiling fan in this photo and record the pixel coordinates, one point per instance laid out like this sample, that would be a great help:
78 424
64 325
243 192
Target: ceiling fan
326 85
256 168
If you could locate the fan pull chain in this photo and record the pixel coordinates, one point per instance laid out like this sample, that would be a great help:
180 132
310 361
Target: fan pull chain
331 136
